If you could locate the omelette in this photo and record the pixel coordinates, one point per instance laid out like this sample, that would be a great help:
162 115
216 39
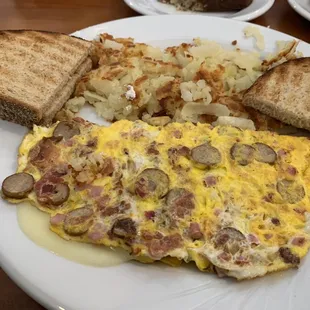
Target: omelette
235 202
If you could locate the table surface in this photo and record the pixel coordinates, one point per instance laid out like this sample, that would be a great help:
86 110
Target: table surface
70 15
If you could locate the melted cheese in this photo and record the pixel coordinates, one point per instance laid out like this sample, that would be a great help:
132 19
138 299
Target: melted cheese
35 224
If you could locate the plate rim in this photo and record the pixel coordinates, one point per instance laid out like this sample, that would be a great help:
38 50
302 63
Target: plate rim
244 17
299 9
25 283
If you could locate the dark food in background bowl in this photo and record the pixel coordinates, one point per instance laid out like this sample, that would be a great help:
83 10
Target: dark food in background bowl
209 5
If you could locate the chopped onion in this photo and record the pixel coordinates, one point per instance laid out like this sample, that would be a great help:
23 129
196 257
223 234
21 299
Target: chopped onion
113 45
192 110
242 123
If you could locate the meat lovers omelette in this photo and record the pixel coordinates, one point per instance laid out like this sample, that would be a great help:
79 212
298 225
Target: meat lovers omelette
233 201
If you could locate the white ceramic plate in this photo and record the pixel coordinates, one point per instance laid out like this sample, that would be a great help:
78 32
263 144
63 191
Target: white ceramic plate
60 284
302 7
154 7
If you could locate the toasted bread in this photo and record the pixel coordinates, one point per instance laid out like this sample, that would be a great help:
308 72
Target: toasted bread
284 93
35 68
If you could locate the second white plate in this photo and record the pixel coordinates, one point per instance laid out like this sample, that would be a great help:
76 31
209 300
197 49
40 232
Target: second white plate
154 7
302 7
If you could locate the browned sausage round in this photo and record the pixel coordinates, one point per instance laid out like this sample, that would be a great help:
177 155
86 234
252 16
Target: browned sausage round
78 221
242 153
180 202
66 130
264 153
206 155
288 257
54 194
290 191
18 185
152 182
231 239
124 228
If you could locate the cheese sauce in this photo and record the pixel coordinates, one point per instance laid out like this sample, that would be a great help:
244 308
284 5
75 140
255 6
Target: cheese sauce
35 224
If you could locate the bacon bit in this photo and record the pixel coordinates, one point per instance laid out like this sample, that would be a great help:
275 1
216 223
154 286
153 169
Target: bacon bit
109 211
57 219
119 209
95 236
299 210
44 154
108 167
241 261
136 252
183 205
158 248
298 241
175 152
149 215
82 121
268 236
184 151
282 153
81 186
177 134
102 202
253 239
210 181
194 231
137 133
146 235
84 151
158 235
224 256
275 221
217 212
152 149
291 170
93 142
124 135
221 273
95 191
97 232
268 197
69 143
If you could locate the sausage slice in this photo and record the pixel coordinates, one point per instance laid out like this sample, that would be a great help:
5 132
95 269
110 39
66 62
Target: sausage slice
66 130
288 257
206 155
18 185
124 228
152 182
290 191
242 153
54 194
264 153
78 221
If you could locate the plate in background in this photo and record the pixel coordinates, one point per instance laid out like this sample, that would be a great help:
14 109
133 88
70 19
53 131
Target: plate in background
154 7
302 7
